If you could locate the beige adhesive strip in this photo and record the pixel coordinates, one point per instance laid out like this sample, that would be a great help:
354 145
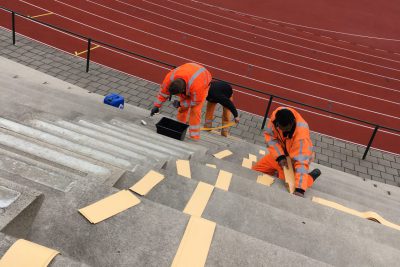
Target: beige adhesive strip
199 199
151 179
211 166
223 180
223 154
289 176
195 243
247 163
109 206
265 179
370 215
24 253
262 152
183 168
252 157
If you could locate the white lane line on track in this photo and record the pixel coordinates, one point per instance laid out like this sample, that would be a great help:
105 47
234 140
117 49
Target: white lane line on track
229 72
326 37
241 62
298 25
312 112
265 46
297 37
363 45
241 50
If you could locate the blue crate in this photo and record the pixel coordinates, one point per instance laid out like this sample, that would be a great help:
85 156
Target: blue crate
114 100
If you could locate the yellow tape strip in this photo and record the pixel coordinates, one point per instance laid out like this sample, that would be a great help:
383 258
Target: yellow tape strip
247 163
223 180
42 15
195 243
183 168
85 51
262 152
370 215
223 154
219 127
199 199
265 179
109 206
289 176
147 183
211 166
25 253
252 157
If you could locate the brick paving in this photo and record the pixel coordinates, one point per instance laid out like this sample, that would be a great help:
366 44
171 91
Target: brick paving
337 154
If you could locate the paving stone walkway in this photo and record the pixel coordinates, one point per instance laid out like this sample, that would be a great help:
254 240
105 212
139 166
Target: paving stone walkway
340 155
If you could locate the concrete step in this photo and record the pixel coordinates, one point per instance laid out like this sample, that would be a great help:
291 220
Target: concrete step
7 241
18 207
147 235
280 199
274 225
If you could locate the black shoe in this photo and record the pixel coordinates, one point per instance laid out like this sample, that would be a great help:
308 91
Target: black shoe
315 174
299 192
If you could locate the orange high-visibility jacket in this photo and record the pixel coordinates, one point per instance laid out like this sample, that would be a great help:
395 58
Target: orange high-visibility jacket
197 80
299 147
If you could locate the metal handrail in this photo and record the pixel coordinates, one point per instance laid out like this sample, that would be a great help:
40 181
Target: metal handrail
271 96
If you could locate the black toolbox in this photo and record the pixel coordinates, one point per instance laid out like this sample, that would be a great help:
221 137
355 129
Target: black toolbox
172 128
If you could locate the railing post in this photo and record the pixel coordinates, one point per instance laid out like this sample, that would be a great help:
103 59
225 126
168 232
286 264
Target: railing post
267 111
88 54
370 141
13 26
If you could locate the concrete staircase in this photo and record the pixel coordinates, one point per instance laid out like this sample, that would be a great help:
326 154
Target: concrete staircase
61 149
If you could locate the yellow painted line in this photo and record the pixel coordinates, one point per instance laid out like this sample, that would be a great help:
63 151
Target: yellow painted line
223 154
247 163
26 253
183 168
265 179
370 215
83 52
144 185
195 244
42 15
199 199
223 180
211 166
109 206
289 176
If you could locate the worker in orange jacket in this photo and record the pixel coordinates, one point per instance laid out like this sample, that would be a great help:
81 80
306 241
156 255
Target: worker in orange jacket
287 134
190 82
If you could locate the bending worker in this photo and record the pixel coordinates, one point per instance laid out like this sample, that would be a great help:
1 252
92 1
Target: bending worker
220 93
287 134
191 83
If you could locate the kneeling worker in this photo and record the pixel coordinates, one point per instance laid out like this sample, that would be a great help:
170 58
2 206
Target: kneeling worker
191 83
220 93
287 134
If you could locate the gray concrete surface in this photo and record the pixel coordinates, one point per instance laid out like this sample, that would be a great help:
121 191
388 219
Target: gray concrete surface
337 154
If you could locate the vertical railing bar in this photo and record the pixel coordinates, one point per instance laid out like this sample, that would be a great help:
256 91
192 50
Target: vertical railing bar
88 54
370 141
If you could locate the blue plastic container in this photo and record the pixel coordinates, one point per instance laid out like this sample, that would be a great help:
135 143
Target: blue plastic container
114 100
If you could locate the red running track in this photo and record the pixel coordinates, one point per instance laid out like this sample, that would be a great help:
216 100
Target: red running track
310 69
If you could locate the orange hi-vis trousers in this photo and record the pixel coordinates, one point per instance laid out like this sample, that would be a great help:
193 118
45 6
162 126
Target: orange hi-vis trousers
226 117
269 165
194 118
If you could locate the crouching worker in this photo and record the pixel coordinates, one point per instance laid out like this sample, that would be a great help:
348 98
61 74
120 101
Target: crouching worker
220 93
287 134
191 83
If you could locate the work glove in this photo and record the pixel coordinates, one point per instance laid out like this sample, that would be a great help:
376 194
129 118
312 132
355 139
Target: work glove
176 104
236 120
154 110
283 163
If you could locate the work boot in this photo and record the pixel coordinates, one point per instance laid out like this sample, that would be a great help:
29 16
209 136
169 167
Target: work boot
208 125
315 174
299 192
224 133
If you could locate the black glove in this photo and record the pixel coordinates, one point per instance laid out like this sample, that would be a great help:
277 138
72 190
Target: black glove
154 110
176 104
